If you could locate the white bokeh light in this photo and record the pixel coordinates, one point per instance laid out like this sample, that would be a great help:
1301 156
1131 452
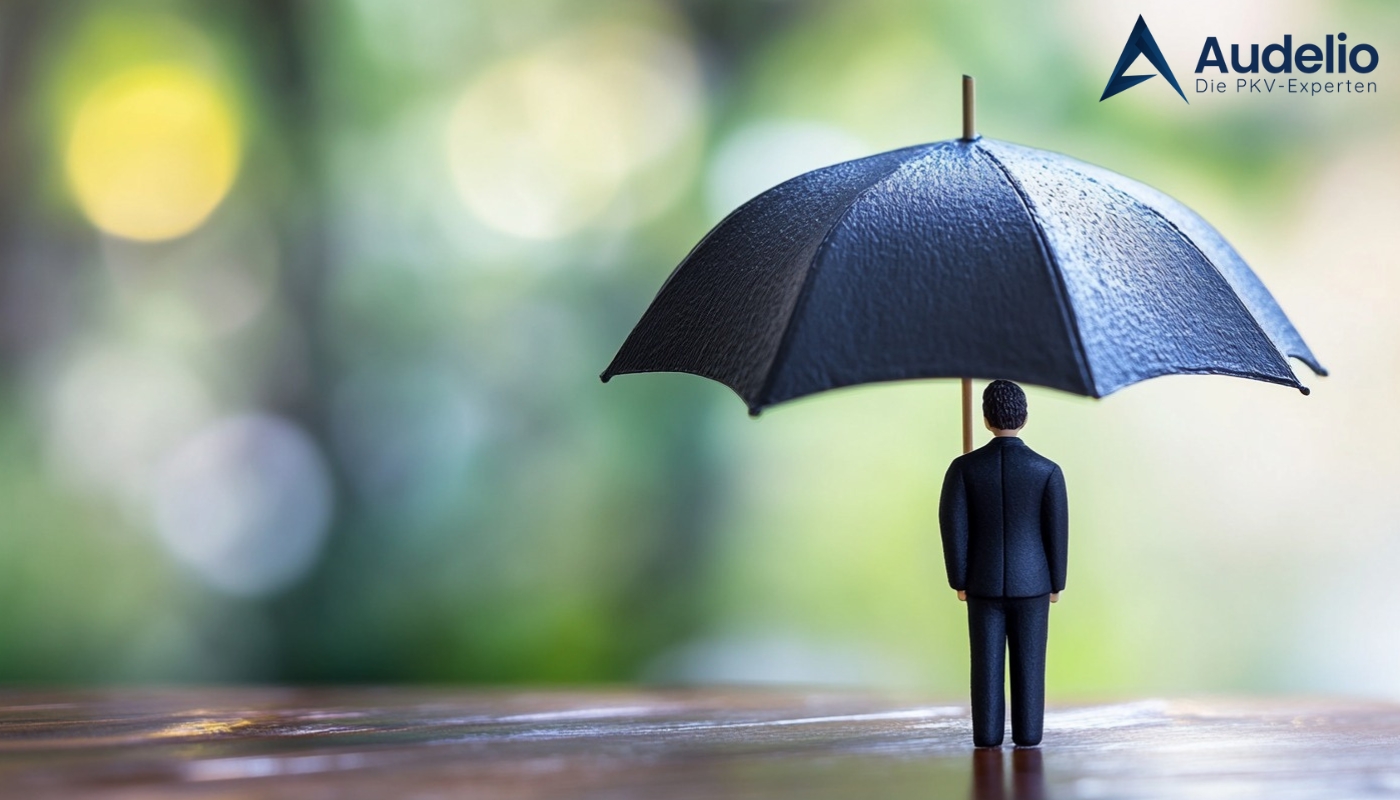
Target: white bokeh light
245 504
757 157
114 411
543 144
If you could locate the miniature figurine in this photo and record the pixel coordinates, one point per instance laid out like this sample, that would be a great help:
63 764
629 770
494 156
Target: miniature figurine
1004 518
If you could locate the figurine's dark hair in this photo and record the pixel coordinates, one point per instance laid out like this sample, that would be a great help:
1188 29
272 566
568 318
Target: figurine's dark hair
1004 405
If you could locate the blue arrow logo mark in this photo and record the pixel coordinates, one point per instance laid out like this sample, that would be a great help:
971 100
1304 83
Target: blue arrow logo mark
1140 41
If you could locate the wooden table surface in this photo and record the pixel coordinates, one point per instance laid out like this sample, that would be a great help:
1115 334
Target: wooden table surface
420 743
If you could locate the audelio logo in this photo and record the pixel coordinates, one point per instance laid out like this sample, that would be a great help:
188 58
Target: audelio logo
1333 57
1140 41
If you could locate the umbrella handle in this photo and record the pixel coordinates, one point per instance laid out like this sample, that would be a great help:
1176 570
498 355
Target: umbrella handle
967 414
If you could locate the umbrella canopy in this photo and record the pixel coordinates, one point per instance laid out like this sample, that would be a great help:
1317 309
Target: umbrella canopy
964 258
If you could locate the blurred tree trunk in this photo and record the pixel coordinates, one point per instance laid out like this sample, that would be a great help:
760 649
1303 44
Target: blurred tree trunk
282 46
22 23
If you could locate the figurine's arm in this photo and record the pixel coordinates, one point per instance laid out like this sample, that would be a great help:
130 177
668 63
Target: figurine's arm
1054 529
952 523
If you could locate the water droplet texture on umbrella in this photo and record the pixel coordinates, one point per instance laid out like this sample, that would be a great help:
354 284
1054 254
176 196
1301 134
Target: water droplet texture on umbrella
977 259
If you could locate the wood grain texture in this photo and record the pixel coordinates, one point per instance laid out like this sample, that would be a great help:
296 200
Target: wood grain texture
384 743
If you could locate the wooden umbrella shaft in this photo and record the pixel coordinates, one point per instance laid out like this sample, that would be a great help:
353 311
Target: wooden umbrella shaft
969 132
969 107
967 414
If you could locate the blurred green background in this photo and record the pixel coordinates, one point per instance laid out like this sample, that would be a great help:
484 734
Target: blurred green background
302 308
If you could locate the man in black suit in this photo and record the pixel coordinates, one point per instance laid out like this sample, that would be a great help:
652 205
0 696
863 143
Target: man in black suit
1004 517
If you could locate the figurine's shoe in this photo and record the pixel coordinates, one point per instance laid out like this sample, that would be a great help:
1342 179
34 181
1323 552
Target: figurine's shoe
1025 741
986 742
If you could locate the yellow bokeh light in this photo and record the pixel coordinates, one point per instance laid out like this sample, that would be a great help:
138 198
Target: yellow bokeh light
152 152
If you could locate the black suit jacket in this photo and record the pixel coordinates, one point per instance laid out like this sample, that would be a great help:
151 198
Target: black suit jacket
1004 517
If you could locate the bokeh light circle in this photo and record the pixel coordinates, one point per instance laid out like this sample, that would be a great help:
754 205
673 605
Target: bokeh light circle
245 504
540 145
152 152
113 411
763 154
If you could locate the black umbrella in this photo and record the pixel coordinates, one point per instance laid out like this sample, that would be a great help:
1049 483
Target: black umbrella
968 258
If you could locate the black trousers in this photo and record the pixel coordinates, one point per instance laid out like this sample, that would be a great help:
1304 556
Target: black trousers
994 624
